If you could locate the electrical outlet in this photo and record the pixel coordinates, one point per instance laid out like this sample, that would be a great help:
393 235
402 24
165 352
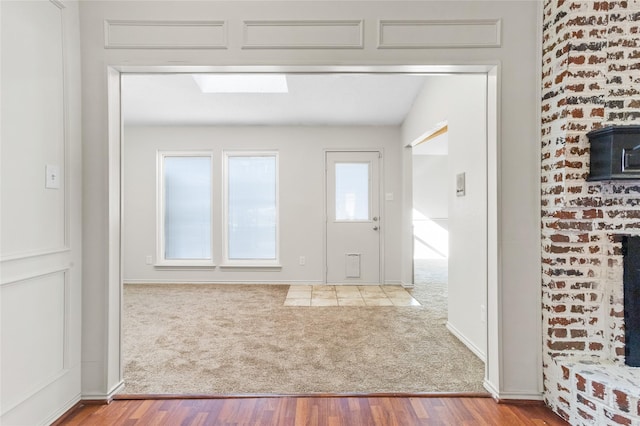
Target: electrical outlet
149 260
302 260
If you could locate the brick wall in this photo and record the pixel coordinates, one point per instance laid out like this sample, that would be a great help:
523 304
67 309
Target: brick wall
591 79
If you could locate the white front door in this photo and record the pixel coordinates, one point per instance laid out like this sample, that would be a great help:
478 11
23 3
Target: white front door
353 217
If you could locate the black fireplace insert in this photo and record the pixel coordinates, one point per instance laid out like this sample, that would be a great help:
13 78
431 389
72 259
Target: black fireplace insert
631 280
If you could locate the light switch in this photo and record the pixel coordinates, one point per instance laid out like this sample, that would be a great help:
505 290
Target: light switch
52 180
388 196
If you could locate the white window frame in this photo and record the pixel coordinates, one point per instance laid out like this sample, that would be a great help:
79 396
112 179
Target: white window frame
248 263
160 208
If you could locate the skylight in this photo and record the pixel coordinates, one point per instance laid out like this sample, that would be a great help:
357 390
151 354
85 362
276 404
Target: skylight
242 83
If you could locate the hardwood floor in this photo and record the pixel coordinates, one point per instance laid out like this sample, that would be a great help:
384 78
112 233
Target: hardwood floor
402 411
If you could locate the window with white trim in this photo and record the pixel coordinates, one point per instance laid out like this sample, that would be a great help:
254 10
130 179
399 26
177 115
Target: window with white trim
185 208
251 208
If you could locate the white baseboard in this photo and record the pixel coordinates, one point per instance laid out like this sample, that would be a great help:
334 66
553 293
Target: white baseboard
407 285
514 395
63 410
491 389
473 348
279 282
106 397
522 396
114 390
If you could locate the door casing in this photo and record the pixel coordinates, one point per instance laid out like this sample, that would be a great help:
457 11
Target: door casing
493 366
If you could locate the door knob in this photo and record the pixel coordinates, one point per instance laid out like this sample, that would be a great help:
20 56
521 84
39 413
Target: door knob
375 228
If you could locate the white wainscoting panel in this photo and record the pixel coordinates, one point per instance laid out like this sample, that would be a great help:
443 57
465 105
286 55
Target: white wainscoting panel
40 283
34 327
303 35
119 34
26 267
33 131
439 34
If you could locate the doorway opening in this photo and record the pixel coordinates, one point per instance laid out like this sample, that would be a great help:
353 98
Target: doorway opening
226 272
430 213
450 200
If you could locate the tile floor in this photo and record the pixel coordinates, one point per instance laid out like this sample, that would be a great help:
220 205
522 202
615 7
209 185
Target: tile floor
349 295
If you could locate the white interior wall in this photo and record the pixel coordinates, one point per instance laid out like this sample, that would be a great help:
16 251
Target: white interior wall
510 51
40 242
301 164
461 101
431 185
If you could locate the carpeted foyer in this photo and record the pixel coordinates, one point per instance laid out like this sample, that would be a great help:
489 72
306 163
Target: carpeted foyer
244 339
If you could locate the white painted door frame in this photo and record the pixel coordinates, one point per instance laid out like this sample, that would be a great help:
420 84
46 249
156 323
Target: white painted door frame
493 366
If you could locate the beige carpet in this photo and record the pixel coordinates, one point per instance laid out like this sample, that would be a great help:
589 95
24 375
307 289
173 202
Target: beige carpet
218 339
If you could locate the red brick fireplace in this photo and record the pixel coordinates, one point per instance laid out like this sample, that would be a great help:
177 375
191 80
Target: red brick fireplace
591 79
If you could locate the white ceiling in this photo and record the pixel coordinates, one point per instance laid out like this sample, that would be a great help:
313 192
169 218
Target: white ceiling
313 99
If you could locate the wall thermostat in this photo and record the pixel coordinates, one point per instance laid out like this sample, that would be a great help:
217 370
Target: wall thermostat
460 187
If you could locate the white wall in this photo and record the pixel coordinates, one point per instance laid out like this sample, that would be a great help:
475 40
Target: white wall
461 101
431 185
512 58
40 242
301 162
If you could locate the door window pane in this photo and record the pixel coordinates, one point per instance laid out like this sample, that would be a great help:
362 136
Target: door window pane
187 202
252 218
352 191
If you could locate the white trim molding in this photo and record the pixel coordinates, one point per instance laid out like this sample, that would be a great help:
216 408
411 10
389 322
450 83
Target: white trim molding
223 282
303 34
407 285
473 348
104 397
463 33
514 396
148 34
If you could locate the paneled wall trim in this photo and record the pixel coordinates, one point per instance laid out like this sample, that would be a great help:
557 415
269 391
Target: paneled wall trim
439 34
40 259
40 328
134 34
303 34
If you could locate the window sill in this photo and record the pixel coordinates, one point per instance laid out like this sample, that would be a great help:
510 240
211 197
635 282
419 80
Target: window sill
184 265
